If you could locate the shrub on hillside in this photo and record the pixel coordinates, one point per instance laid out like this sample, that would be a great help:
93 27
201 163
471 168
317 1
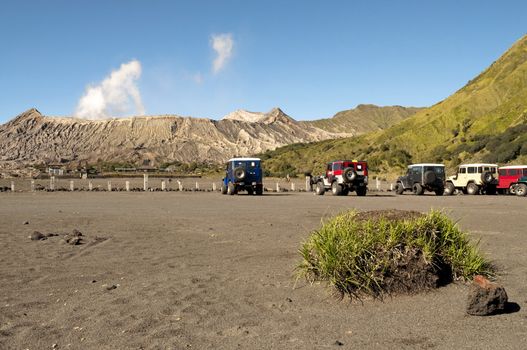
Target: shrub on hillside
385 252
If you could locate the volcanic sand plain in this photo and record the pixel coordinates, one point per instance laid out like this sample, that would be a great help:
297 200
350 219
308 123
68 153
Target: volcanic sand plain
198 270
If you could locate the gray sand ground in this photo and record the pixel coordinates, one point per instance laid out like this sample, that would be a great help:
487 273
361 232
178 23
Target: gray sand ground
205 271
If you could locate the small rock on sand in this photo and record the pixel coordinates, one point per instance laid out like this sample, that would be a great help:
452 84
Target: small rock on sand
485 297
37 236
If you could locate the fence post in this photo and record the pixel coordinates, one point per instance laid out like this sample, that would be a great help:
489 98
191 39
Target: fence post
377 183
163 185
277 187
391 187
180 186
12 186
127 186
197 185
109 186
293 186
214 187
52 183
72 186
32 185
145 182
90 186
308 183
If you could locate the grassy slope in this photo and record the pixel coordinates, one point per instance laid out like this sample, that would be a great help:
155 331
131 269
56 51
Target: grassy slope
483 121
364 118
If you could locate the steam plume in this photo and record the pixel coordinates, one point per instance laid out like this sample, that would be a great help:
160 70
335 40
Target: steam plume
116 95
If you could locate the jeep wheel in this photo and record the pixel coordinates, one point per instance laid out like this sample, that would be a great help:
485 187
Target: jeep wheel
223 189
439 191
349 174
399 188
487 177
429 177
345 191
319 188
259 190
231 190
239 173
512 189
521 190
336 188
418 189
449 189
361 191
472 188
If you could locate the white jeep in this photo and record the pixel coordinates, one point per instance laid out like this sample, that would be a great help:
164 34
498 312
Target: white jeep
473 179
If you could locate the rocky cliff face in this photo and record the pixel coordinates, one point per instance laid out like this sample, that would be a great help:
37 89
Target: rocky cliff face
34 138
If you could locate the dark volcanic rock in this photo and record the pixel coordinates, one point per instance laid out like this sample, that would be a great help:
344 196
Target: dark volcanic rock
486 298
37 236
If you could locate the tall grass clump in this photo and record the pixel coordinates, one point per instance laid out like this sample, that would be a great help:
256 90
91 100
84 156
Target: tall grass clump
386 252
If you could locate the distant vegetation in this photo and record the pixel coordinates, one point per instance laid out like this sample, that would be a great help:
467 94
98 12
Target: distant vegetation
387 252
484 121
364 118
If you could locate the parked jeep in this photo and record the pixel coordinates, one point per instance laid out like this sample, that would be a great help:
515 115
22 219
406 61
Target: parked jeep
343 177
243 174
520 189
509 177
422 177
473 179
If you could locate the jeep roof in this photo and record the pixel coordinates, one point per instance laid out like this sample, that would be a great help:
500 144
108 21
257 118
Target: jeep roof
244 159
347 161
513 167
478 164
426 164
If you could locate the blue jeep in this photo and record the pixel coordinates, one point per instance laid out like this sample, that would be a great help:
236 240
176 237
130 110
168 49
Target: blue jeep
243 174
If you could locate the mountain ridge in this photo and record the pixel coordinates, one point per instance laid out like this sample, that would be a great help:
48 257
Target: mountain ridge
32 137
485 120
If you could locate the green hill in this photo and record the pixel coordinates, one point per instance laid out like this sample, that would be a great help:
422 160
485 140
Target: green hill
486 120
364 118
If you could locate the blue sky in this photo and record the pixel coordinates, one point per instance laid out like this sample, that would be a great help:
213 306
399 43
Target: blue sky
311 58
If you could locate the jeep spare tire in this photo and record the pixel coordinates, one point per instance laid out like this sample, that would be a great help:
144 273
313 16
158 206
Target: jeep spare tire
349 174
239 173
429 177
487 177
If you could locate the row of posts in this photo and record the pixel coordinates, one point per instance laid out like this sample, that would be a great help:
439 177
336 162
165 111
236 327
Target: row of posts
145 185
164 187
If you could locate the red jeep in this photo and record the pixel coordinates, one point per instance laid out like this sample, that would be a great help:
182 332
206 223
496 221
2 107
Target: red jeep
342 177
509 176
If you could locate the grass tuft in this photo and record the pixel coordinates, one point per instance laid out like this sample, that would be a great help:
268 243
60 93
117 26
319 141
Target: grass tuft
388 252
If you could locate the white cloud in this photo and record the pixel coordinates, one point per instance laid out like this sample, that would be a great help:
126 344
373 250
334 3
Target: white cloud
116 95
222 44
